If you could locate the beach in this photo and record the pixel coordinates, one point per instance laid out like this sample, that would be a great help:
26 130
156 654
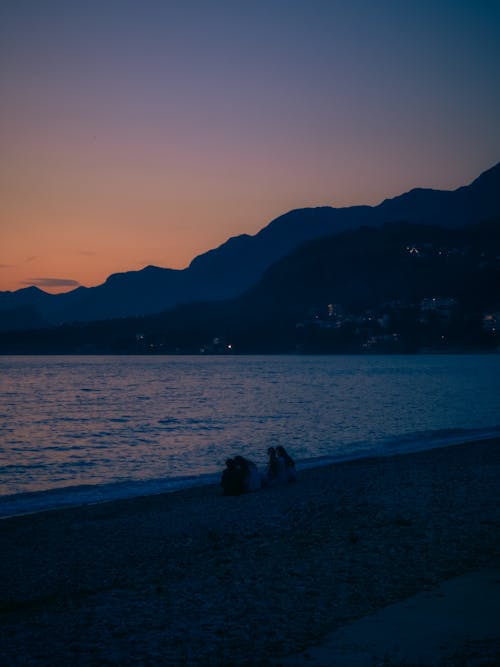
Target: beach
196 578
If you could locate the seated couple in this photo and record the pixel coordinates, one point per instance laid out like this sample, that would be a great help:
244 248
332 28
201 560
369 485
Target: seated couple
242 476
280 467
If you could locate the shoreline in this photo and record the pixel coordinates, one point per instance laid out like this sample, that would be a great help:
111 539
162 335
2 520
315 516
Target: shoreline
27 503
191 577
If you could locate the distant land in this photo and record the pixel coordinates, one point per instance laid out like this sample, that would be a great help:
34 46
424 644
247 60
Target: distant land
417 272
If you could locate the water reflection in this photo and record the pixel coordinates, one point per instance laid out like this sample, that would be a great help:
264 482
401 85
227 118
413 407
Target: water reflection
91 420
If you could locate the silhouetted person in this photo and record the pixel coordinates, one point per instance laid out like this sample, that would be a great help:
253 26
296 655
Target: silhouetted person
232 481
251 476
272 472
286 465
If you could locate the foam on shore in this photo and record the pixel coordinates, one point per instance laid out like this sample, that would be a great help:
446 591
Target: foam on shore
77 495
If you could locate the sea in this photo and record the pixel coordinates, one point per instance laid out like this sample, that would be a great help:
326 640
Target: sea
87 429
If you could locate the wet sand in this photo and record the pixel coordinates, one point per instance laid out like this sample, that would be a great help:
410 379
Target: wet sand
195 578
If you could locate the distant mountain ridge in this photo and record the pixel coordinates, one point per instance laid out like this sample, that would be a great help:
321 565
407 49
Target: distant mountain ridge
400 287
233 267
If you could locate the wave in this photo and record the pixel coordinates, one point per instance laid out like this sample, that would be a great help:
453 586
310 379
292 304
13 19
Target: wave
90 494
407 443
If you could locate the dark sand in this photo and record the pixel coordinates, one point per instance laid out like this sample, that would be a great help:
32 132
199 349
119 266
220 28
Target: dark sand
455 624
195 578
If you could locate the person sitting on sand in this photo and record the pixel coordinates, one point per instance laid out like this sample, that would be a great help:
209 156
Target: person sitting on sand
272 472
232 481
286 465
251 476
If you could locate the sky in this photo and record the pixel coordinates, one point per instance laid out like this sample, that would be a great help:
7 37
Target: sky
137 132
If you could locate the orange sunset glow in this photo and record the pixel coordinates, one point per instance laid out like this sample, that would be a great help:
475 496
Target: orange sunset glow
148 134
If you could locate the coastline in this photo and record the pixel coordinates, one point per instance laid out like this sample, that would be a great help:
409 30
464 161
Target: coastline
25 503
194 578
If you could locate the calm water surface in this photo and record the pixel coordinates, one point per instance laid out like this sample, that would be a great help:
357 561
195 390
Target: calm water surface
98 426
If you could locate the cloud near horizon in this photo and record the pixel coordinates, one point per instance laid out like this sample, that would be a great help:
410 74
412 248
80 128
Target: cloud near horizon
51 282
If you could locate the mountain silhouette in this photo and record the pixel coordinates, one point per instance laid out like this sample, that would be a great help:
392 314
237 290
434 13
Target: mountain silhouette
236 265
400 287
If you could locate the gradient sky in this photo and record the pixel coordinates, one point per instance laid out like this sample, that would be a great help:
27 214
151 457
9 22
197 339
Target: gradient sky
146 132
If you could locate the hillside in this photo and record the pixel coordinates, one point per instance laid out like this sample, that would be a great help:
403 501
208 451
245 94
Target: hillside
401 287
238 264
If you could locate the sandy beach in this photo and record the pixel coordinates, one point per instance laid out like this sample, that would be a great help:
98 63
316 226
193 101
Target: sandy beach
195 578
